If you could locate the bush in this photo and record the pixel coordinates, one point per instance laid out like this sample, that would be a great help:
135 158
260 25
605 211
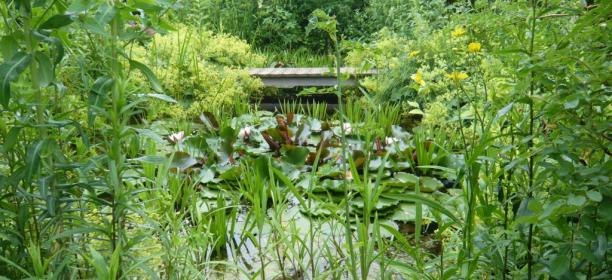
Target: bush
279 24
201 69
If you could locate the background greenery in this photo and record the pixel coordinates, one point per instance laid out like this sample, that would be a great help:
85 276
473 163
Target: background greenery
130 150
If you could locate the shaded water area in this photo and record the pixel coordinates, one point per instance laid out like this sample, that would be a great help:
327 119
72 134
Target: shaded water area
278 194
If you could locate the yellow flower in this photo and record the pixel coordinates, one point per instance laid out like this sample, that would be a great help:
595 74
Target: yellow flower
458 32
414 53
418 78
474 47
457 76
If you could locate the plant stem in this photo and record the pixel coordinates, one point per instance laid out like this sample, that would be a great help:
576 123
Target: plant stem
347 222
115 163
42 134
506 202
530 142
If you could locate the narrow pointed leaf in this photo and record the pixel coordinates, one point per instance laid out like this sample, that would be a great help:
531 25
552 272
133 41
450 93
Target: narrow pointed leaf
155 84
33 159
9 71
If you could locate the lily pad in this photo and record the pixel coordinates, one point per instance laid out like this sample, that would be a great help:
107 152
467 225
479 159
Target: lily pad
429 184
182 161
296 155
206 176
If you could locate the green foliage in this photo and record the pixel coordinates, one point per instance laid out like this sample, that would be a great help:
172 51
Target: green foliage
201 69
279 24
480 150
520 111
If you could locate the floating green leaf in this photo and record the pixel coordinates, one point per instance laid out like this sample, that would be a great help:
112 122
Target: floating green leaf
296 155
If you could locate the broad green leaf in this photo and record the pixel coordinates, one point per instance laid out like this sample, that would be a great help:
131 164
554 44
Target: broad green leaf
594 196
416 112
8 46
56 43
57 21
11 139
206 175
79 6
228 136
559 265
571 104
46 73
429 184
182 160
105 13
94 26
413 104
147 5
155 84
602 246
576 200
407 178
296 155
9 71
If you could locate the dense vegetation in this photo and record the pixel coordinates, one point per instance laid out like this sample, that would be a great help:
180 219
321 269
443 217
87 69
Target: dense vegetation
132 148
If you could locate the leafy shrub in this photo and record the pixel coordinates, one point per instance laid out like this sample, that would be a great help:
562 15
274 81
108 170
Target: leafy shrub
202 69
279 24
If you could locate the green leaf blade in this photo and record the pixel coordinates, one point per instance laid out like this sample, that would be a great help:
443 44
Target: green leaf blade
9 71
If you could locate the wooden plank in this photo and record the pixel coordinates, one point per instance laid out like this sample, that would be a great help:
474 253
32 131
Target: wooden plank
306 77
291 82
307 72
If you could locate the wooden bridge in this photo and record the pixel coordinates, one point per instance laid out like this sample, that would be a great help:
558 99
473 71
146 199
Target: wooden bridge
291 79
308 77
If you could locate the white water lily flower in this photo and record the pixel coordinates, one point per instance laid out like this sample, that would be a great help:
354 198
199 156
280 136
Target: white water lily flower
244 132
177 137
348 175
391 140
347 128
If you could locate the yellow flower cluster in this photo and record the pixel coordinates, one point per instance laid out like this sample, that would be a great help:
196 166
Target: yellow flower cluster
474 47
457 76
414 53
418 78
458 32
